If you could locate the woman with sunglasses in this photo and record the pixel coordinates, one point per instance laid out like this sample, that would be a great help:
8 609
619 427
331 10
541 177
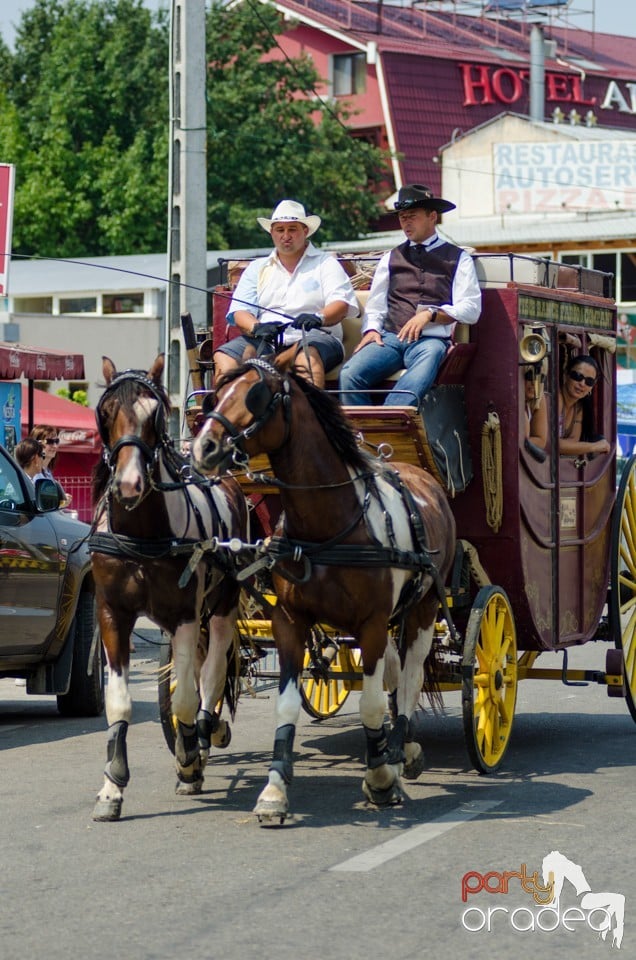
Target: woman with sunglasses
581 375
49 438
536 408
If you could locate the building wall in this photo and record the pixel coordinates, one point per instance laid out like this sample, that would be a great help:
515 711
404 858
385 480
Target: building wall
131 342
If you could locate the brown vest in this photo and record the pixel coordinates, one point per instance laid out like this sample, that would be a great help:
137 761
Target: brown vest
409 284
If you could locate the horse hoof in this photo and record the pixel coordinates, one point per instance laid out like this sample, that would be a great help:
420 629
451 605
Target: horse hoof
271 813
389 797
413 768
221 738
183 789
106 811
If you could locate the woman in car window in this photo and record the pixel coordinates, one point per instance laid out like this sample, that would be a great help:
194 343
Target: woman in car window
49 438
30 455
575 434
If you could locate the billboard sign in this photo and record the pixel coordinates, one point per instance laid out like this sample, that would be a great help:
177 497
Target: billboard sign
7 176
565 175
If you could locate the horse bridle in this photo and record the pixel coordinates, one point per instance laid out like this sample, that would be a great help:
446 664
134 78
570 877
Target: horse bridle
130 439
261 402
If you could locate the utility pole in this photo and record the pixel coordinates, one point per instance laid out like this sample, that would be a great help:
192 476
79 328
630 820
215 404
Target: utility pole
187 194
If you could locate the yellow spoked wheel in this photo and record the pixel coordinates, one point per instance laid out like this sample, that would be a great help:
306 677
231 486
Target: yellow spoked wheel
323 697
489 688
623 578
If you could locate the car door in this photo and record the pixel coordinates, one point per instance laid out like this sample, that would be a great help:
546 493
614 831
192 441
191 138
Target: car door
31 566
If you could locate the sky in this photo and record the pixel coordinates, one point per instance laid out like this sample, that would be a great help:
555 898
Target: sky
611 16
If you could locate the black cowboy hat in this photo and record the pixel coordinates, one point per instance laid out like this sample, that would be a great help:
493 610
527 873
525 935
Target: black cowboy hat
417 195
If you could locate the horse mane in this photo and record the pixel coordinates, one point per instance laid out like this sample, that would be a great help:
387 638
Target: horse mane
328 411
125 384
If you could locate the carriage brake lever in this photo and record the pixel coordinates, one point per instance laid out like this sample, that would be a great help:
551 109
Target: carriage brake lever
564 674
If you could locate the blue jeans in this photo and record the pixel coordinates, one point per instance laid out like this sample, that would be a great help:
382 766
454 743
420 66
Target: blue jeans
374 363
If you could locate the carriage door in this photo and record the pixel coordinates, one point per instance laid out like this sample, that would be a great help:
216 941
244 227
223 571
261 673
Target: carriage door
586 489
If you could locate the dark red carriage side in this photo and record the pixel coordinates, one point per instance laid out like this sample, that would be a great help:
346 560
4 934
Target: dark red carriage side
551 553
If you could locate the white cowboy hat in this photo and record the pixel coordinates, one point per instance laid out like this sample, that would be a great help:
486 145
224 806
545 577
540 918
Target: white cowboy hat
289 211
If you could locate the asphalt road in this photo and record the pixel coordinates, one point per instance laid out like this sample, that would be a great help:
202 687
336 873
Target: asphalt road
198 878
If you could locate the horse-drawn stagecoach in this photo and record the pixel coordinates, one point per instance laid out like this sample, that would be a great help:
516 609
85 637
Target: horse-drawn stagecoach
546 549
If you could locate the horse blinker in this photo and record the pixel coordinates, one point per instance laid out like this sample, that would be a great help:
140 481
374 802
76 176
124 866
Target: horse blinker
258 399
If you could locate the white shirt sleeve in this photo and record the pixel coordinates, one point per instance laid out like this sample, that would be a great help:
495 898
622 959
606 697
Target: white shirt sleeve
466 305
377 307
245 296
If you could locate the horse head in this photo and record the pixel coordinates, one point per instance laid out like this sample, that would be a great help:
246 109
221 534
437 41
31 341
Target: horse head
249 413
131 420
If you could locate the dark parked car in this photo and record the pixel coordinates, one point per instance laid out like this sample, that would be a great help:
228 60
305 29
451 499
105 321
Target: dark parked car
47 603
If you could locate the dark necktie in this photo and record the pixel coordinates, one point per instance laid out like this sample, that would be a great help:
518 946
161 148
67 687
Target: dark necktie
418 253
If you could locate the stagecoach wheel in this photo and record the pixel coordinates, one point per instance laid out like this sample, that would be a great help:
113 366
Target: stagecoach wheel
323 698
623 578
489 688
167 684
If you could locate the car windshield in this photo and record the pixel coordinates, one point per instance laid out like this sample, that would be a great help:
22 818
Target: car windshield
12 496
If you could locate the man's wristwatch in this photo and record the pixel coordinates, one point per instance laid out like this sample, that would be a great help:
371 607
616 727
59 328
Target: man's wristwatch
434 313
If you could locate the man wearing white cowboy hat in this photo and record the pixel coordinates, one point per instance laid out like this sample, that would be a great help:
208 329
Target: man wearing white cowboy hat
300 282
420 289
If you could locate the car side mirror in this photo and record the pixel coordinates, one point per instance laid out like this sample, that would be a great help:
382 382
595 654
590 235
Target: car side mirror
48 495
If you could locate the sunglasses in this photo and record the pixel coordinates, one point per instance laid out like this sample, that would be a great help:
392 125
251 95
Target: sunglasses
53 442
530 375
579 378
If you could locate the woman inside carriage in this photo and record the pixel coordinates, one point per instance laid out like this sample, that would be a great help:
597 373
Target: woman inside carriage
577 435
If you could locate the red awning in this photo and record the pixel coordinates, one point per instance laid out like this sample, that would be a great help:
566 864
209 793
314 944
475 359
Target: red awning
17 361
76 424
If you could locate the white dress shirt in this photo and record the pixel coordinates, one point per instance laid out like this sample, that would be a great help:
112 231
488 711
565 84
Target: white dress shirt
318 280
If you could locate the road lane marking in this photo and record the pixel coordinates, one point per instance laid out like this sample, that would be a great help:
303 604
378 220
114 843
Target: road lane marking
414 837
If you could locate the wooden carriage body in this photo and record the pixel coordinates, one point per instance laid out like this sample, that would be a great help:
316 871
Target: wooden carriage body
551 553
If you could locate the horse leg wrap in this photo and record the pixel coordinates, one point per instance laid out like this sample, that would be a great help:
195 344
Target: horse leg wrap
207 724
116 768
283 760
397 737
187 753
377 747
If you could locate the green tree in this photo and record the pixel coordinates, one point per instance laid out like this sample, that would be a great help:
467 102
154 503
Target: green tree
89 86
84 117
265 142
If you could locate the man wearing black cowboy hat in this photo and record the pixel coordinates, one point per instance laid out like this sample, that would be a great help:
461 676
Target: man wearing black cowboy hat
420 290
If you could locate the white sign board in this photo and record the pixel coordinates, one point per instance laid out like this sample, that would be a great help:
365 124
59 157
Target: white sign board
7 171
564 175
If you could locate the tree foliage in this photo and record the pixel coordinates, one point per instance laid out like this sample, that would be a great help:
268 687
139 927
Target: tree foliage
87 128
266 143
84 117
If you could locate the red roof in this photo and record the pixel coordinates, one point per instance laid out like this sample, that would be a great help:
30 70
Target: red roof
433 63
451 35
17 361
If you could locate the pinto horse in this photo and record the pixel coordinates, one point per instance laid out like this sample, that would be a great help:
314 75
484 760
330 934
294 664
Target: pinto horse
157 551
353 548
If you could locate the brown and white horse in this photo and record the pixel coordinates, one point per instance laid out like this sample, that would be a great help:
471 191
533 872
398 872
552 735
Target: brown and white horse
353 549
149 519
